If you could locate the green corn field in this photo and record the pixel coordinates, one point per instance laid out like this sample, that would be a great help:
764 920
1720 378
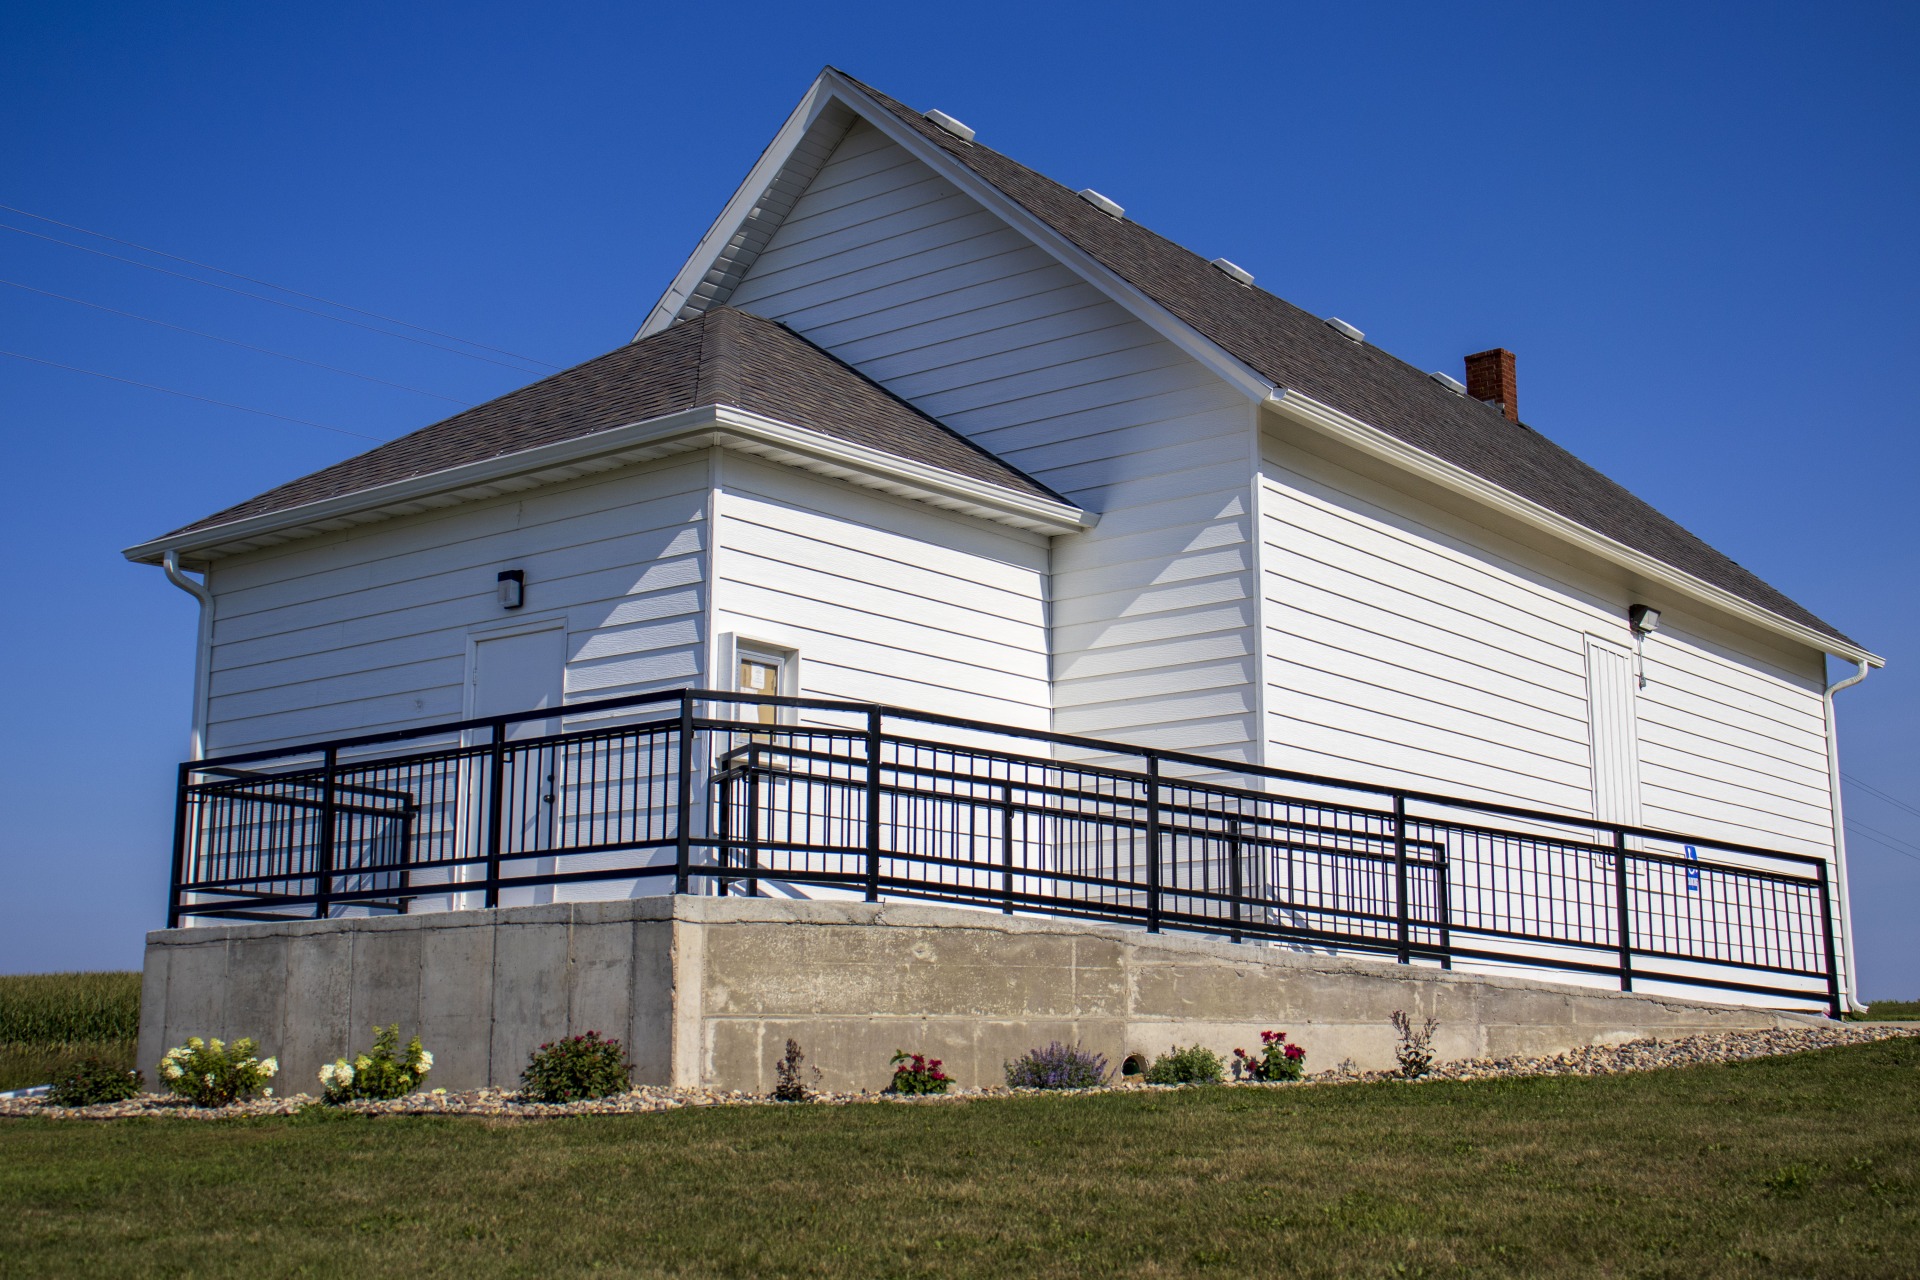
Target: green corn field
50 1020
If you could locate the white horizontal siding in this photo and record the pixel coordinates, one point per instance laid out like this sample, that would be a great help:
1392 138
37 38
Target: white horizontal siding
1405 645
367 630
898 273
885 601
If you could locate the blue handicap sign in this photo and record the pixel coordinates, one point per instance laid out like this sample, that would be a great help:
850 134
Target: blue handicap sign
1693 873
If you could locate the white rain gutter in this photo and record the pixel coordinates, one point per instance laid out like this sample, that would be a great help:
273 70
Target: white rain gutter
1850 995
202 651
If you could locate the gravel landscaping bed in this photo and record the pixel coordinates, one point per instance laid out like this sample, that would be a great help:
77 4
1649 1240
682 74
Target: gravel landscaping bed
1598 1060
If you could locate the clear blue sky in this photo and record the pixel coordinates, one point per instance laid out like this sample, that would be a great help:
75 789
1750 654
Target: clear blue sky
1695 224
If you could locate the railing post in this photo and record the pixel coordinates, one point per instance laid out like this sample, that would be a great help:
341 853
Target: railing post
1623 910
1443 892
1826 930
1153 844
1233 875
1403 950
683 844
723 833
873 804
1006 848
753 827
496 806
179 844
323 868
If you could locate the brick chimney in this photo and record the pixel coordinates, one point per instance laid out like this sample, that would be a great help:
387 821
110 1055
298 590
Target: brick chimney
1490 377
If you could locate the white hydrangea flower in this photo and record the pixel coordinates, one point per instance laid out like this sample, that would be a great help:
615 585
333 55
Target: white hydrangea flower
195 1042
270 1067
425 1063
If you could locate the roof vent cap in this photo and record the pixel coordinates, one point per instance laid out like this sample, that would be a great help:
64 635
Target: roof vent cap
1103 204
1344 329
1452 384
1237 274
941 120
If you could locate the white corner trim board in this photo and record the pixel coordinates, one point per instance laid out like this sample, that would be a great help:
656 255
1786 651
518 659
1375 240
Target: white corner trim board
1369 439
709 426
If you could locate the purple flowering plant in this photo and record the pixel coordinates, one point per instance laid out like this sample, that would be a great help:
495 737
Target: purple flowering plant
1058 1066
1277 1060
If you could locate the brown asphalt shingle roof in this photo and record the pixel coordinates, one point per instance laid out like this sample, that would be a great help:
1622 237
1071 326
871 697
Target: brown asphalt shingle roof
1297 350
726 357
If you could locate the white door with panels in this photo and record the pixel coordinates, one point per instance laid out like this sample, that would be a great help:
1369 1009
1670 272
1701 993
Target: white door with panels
1614 731
522 671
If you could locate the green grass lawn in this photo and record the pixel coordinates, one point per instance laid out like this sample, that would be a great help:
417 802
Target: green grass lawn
1799 1166
49 1021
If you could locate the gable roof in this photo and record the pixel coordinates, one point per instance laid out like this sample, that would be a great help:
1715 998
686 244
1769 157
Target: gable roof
1283 346
726 357
1297 350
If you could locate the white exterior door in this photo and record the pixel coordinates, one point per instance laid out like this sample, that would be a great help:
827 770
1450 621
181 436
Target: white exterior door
1615 733
520 672
524 671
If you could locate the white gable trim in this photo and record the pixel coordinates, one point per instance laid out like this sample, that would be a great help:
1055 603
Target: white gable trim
831 87
1380 444
725 236
708 427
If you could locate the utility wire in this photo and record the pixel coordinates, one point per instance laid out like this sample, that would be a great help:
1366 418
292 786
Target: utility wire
1886 837
257 297
189 395
268 284
234 342
1883 844
1873 790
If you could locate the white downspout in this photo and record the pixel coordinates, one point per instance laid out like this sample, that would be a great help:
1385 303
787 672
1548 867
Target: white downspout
1850 995
203 651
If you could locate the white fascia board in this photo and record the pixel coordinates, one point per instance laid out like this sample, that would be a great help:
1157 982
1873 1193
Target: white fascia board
1369 439
722 426
990 501
737 209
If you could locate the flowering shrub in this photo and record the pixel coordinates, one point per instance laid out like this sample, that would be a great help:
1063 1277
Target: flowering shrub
1186 1066
793 1080
1415 1050
379 1073
1277 1060
576 1068
917 1073
1058 1066
211 1073
93 1080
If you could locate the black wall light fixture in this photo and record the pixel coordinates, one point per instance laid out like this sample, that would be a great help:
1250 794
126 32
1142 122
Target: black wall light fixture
511 586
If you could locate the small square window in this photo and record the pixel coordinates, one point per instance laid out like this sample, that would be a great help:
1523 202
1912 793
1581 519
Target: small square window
763 673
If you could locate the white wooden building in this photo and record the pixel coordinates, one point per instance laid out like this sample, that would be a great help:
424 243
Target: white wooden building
915 425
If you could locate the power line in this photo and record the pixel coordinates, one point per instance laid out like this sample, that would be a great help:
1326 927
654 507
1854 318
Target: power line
1873 790
278 302
1893 843
234 342
189 395
268 284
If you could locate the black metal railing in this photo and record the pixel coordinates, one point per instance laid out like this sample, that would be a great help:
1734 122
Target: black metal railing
695 791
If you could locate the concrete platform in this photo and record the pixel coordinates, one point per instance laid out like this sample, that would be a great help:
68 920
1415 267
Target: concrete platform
707 990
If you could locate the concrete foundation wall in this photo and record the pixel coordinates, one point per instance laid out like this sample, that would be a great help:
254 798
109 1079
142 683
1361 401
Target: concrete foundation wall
707 991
